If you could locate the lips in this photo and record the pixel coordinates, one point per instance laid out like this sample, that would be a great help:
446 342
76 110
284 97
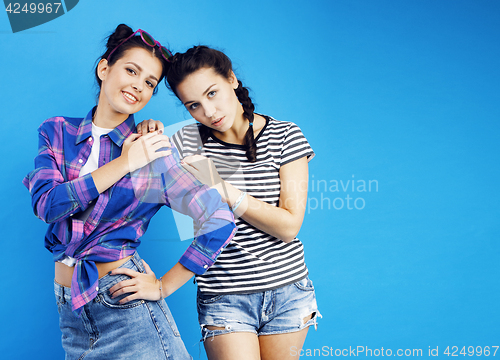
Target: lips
218 121
129 97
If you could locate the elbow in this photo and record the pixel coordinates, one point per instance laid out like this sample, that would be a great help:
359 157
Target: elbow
48 213
289 234
45 216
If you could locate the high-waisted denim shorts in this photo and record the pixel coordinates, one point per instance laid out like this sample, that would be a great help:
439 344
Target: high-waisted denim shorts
276 311
137 330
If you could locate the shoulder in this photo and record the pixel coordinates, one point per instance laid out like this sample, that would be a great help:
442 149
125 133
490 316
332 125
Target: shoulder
280 128
288 138
58 125
187 139
186 131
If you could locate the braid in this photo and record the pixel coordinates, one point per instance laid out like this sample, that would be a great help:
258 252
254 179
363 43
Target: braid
205 133
248 109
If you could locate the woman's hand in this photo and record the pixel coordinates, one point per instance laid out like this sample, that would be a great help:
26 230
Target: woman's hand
140 150
204 170
142 286
148 126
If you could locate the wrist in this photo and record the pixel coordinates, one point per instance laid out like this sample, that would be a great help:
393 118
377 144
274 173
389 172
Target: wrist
123 164
233 194
161 288
223 189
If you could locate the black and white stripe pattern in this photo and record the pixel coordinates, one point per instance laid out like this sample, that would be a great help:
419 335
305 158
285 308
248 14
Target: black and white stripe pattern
253 261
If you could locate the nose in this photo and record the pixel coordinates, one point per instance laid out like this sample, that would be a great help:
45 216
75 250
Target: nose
209 110
137 86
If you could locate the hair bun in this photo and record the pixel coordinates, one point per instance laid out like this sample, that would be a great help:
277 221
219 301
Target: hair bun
121 32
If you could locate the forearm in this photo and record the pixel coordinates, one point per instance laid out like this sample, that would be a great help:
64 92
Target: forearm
177 276
54 199
276 221
110 173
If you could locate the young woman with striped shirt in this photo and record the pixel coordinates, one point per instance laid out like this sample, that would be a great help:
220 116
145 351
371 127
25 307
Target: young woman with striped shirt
256 301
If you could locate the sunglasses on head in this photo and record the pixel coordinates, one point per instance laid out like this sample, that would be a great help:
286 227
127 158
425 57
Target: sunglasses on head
148 40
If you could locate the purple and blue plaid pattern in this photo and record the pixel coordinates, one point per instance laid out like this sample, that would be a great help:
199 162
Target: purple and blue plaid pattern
122 213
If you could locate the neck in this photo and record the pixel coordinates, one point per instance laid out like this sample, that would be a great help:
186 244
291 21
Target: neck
107 118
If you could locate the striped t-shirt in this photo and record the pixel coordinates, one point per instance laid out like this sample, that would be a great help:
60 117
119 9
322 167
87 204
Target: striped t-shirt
253 261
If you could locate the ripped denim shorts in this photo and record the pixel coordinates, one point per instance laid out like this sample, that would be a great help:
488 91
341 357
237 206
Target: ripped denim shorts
278 311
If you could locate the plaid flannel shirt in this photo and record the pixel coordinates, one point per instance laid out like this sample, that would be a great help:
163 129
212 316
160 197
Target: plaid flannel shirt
121 214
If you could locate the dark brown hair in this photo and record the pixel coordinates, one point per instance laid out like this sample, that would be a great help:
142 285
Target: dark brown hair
184 64
122 32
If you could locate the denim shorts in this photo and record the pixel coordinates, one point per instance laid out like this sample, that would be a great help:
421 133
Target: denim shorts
105 329
271 312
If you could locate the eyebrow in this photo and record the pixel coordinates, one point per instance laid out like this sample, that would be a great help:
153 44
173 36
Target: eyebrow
203 94
140 69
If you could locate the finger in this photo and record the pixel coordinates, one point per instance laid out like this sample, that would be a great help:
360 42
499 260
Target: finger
131 138
190 168
159 125
152 146
144 127
189 160
158 137
160 154
164 138
154 125
122 287
160 145
129 298
152 134
125 271
139 128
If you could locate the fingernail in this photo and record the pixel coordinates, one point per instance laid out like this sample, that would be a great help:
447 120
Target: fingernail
160 131
109 273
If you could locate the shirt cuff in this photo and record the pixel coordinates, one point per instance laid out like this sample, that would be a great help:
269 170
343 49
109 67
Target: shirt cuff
84 190
205 249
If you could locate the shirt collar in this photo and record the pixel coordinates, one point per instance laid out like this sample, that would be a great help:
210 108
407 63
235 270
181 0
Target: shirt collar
117 135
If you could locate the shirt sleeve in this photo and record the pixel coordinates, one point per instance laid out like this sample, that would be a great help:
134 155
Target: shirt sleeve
295 146
182 192
52 197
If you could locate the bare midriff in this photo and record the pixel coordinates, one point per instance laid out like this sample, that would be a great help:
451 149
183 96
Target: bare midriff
64 273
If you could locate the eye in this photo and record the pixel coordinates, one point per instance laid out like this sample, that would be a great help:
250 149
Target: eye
211 93
193 106
150 84
131 71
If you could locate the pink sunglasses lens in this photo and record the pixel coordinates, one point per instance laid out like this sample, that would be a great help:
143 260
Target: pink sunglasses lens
148 39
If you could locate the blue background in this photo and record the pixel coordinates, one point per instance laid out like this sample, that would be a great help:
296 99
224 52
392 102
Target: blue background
404 93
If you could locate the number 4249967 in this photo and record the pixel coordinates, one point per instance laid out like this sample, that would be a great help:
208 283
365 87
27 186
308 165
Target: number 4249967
15 8
471 351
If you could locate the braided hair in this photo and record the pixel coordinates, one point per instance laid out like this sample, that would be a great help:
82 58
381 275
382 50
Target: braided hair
197 57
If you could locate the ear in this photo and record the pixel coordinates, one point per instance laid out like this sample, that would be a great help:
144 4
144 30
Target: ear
102 69
233 80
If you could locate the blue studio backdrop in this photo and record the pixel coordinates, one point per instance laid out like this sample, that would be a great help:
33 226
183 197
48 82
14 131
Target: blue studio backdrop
399 100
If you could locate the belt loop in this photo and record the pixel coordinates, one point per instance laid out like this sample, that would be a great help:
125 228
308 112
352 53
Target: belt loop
138 263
